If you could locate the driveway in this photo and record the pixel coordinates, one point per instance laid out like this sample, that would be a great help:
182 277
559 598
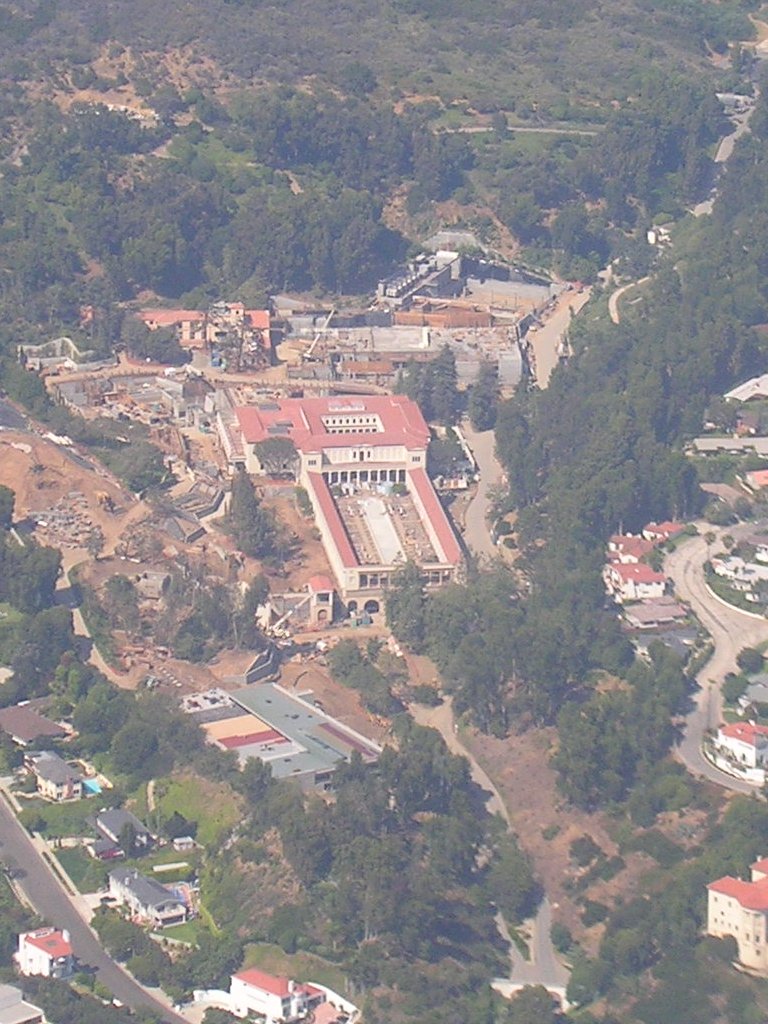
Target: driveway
730 629
47 895
476 532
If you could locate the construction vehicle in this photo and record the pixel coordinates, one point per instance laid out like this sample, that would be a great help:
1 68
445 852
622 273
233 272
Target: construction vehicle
105 501
321 331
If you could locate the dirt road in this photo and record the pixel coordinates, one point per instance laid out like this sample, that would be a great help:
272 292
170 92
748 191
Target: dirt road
613 299
543 967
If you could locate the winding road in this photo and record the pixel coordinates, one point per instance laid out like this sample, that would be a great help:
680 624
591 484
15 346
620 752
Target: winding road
730 629
476 532
543 967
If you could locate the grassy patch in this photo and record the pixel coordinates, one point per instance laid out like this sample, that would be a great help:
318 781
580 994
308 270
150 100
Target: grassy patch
189 932
59 820
89 875
213 806
300 966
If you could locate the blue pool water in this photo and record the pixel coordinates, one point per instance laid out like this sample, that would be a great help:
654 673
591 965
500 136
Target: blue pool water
91 786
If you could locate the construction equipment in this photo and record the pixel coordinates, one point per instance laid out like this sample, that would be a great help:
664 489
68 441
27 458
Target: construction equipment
319 333
105 500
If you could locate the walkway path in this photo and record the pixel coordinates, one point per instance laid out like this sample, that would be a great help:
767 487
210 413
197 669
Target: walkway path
730 629
543 968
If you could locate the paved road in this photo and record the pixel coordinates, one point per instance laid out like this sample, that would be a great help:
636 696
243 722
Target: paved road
730 629
722 155
476 534
10 418
546 342
613 298
49 898
543 968
477 129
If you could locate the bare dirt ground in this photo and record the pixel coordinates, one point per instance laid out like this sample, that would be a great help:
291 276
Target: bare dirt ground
519 766
313 680
311 558
42 475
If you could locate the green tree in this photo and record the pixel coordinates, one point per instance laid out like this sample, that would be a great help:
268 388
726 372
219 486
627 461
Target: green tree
484 397
7 500
405 606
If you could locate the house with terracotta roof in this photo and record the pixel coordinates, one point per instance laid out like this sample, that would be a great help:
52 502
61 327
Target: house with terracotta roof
633 581
739 909
660 533
627 549
362 462
277 1000
46 952
744 743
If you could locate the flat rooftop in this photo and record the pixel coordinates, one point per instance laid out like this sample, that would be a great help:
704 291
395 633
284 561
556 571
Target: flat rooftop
311 741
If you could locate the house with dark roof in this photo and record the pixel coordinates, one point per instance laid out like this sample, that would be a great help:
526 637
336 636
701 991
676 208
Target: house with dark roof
110 825
24 725
15 1010
56 780
146 899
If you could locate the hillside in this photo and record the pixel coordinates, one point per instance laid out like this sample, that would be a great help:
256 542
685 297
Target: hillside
523 56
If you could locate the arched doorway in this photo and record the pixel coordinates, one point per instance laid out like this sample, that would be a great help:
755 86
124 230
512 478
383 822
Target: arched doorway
352 607
371 606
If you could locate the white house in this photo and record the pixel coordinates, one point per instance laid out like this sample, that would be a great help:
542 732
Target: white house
45 952
633 582
739 909
745 743
55 779
277 1000
146 899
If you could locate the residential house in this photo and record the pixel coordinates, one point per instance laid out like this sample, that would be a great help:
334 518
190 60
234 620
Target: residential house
25 726
55 779
15 1010
660 533
626 549
739 909
110 825
46 952
741 575
757 479
146 899
746 743
276 1000
633 582
664 611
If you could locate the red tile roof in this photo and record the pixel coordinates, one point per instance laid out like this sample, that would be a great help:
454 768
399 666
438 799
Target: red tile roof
747 732
436 514
761 865
751 895
338 530
301 419
50 941
320 583
626 544
260 318
265 736
169 317
664 530
637 573
266 982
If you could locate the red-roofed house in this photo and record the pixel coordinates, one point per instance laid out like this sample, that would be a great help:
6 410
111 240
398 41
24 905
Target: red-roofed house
660 533
633 582
740 909
757 479
368 451
278 1000
628 549
45 952
744 742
